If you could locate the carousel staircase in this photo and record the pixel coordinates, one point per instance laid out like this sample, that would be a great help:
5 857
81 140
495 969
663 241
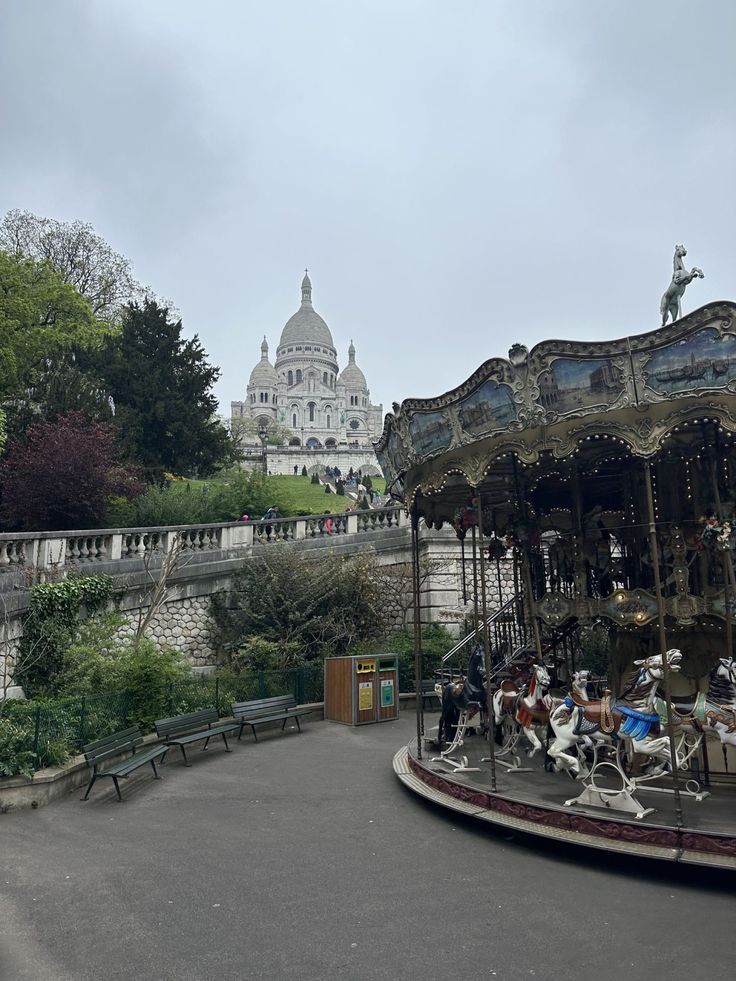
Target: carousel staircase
511 637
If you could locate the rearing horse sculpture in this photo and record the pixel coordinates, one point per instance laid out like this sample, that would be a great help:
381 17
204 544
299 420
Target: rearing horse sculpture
671 301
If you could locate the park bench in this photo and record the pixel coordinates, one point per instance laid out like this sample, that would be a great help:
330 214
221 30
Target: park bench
125 741
280 708
428 693
181 730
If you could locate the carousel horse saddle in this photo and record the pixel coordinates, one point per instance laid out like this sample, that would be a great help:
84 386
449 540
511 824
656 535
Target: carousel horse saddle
583 726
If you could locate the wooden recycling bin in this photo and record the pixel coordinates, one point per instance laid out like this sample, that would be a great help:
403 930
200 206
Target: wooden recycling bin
359 690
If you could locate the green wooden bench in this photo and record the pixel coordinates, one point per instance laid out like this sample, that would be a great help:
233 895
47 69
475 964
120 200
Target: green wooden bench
280 708
429 693
181 730
125 741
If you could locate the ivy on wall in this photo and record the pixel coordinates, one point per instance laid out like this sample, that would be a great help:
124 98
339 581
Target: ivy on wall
53 616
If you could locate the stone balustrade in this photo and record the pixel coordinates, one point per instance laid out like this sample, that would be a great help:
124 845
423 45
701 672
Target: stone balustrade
46 552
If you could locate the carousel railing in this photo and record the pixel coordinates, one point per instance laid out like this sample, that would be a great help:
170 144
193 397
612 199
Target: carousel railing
508 634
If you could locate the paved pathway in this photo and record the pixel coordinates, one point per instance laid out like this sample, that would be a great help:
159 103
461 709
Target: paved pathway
303 857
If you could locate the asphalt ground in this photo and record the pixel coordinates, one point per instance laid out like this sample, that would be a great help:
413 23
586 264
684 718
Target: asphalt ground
303 857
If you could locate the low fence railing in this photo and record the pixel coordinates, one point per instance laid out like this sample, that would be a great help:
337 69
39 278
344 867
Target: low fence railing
50 732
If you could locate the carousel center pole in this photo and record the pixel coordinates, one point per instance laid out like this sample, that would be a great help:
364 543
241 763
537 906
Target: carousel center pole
417 628
654 555
486 647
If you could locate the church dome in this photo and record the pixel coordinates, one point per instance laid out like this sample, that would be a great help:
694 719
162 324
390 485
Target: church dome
264 374
351 376
306 326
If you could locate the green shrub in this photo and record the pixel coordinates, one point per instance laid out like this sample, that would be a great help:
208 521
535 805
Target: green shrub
184 503
50 626
314 478
304 471
145 671
92 661
259 654
16 754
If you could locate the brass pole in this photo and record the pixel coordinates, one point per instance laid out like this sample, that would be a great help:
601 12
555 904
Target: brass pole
417 629
654 555
475 582
486 647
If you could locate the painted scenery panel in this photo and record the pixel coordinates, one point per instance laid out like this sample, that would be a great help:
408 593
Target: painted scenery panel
569 385
704 360
490 407
430 432
391 458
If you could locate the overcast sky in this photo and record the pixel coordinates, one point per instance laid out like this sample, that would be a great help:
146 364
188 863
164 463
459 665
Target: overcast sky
456 176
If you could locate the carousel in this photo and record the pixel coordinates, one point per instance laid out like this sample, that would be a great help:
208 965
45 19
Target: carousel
592 489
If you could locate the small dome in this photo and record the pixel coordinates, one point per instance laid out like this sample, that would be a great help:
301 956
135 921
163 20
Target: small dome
351 376
264 374
306 326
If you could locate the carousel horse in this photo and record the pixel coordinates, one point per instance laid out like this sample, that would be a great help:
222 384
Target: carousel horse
526 703
633 716
465 696
671 301
713 711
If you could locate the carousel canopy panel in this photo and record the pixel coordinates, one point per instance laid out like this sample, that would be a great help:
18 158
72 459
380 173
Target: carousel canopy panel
625 397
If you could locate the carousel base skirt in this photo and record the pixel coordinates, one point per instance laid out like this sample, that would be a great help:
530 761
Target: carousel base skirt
533 802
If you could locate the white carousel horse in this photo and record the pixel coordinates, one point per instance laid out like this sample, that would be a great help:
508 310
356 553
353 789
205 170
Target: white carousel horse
527 704
714 711
633 717
671 305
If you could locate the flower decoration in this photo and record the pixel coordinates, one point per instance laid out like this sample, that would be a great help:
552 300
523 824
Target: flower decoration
717 533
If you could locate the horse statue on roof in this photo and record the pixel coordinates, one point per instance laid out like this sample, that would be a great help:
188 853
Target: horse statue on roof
671 305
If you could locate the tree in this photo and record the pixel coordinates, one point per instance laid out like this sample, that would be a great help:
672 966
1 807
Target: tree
79 256
161 385
46 330
322 605
62 476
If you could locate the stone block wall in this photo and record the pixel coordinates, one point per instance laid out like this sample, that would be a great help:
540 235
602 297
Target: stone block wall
183 624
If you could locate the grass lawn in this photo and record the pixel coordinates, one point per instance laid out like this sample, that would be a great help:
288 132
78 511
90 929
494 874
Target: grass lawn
302 497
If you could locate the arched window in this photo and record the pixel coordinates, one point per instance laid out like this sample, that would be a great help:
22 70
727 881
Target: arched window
311 408
324 378
290 378
298 375
293 421
328 422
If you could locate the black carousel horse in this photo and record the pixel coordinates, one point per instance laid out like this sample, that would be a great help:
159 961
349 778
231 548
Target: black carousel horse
467 695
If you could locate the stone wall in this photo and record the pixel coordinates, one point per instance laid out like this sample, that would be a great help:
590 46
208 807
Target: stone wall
180 623
215 556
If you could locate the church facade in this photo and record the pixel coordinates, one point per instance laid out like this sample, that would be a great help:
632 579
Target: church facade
305 392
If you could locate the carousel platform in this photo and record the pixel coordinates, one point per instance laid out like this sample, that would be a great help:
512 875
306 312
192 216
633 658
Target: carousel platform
532 802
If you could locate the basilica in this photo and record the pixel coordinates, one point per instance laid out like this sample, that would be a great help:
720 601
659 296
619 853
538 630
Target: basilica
304 391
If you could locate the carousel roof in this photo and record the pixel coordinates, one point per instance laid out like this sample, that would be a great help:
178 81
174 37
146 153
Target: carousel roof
545 403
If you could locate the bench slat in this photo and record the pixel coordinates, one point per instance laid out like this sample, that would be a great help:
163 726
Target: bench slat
186 723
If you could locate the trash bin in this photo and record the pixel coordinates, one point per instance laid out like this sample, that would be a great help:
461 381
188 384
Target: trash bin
359 690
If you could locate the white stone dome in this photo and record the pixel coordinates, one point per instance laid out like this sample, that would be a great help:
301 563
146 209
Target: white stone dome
264 374
351 376
306 326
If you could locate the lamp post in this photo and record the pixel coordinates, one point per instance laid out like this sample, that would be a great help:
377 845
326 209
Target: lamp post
263 436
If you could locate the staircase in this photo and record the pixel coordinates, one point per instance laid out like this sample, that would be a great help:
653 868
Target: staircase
511 636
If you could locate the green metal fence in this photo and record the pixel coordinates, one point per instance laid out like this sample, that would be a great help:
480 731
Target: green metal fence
55 730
